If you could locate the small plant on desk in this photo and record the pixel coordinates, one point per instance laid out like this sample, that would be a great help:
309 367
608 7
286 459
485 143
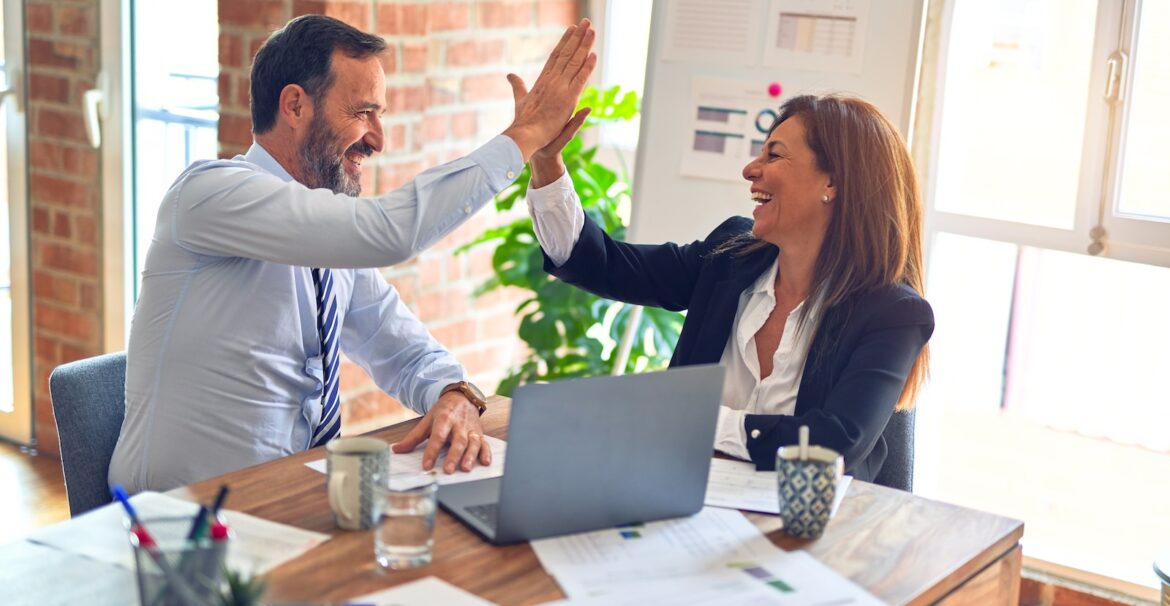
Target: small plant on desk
243 590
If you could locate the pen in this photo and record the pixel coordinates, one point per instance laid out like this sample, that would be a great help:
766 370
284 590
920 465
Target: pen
146 542
219 499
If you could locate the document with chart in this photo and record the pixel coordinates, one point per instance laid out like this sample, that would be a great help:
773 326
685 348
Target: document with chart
708 558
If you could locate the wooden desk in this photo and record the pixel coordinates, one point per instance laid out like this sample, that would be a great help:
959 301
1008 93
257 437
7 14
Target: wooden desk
902 548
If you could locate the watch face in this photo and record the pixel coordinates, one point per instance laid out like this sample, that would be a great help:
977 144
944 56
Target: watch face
475 390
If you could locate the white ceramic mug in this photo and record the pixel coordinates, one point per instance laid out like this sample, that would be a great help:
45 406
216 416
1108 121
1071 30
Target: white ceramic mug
353 466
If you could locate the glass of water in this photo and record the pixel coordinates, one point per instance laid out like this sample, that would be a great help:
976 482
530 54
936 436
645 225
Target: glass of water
405 534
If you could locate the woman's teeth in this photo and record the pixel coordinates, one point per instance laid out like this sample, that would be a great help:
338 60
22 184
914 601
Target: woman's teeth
761 198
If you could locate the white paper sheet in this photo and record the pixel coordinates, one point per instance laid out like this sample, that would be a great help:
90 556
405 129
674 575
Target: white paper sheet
729 122
737 485
708 558
817 35
426 591
258 545
716 32
787 579
80 580
412 461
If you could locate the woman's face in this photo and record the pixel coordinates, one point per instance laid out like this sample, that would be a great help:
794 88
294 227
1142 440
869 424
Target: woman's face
788 189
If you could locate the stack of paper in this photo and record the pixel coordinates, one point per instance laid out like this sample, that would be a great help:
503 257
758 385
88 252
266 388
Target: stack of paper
714 557
257 545
737 485
423 592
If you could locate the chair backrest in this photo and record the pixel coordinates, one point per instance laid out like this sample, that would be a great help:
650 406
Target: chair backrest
898 470
89 401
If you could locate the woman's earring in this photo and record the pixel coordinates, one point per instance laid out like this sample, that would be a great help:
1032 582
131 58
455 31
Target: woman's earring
825 199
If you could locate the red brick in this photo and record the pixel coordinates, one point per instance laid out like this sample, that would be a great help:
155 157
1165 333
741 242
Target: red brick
500 325
442 91
370 409
62 124
407 287
47 346
455 334
89 296
77 20
430 271
556 12
78 326
475 52
48 287
48 88
446 16
80 162
434 128
244 93
352 375
414 58
463 125
404 99
70 353
254 47
235 130
356 14
389 62
68 258
396 174
62 227
46 53
504 14
86 228
231 50
486 87
38 18
411 20
486 361
61 192
45 155
41 223
395 138
265 14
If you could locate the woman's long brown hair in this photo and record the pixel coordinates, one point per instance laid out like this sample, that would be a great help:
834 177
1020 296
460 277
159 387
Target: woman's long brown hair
874 238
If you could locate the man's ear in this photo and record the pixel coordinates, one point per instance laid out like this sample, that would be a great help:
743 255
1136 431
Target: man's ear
296 107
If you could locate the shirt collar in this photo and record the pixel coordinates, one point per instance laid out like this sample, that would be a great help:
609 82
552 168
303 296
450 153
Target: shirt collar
260 157
766 280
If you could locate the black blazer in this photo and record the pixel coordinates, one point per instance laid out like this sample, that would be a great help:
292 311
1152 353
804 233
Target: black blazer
857 363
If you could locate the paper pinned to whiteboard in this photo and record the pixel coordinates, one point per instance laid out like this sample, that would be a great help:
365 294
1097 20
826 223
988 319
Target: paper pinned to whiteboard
714 32
817 35
729 124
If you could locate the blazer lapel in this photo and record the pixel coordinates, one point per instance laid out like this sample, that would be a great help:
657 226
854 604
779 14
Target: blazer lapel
719 317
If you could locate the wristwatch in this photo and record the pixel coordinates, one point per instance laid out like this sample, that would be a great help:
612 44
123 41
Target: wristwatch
469 391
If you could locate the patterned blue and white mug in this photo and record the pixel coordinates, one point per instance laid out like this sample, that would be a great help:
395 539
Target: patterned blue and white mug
354 466
807 487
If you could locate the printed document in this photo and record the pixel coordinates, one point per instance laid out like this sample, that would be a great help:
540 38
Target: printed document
737 485
423 592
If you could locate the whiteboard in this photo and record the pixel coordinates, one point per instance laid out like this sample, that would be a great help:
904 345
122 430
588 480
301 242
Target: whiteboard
702 49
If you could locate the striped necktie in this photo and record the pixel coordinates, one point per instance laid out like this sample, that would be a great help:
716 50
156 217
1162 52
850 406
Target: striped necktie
330 424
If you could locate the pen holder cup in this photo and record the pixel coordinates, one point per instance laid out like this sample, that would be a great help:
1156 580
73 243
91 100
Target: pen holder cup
174 570
806 488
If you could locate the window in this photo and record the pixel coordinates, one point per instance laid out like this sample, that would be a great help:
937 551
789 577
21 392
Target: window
1049 267
15 399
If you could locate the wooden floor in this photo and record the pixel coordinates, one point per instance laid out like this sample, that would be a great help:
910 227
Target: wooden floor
34 492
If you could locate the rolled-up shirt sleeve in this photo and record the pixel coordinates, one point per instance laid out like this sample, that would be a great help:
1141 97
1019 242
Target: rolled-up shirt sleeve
228 209
557 218
730 436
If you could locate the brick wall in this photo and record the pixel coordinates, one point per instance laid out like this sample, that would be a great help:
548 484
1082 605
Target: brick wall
445 94
65 193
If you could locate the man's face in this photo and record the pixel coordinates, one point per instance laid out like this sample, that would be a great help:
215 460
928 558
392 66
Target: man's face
346 127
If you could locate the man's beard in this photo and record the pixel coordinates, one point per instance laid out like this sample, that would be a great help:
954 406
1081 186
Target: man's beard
322 162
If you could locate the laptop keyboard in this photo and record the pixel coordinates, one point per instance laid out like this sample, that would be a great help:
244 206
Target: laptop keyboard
486 513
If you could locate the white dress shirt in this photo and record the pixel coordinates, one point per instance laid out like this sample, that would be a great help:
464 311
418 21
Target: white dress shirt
224 365
557 219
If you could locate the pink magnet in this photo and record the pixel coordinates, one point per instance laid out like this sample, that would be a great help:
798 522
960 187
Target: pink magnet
774 89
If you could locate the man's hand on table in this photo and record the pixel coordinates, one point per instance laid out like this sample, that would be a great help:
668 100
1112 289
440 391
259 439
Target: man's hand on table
452 419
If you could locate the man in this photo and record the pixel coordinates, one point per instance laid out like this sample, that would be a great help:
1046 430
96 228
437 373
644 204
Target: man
233 354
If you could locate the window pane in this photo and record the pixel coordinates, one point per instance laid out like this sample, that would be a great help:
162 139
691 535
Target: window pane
6 392
627 35
1144 175
1015 99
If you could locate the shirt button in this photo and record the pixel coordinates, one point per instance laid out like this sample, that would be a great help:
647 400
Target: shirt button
755 433
511 174
467 210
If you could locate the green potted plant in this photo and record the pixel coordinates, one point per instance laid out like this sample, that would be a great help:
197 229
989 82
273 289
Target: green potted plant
569 332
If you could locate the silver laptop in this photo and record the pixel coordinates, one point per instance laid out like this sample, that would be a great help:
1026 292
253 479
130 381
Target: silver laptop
594 453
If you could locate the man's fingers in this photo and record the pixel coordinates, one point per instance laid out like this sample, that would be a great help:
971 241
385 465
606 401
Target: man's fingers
485 452
581 53
519 90
570 129
439 434
566 49
474 445
459 445
414 436
558 50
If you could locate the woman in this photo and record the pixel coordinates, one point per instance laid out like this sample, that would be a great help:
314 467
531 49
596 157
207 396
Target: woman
815 307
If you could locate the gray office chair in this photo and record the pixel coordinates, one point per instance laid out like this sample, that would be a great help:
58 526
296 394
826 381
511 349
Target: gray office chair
898 470
89 401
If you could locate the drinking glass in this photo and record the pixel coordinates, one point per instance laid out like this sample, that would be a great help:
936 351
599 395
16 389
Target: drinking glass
405 534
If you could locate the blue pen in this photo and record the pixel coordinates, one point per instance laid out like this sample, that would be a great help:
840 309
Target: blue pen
147 542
